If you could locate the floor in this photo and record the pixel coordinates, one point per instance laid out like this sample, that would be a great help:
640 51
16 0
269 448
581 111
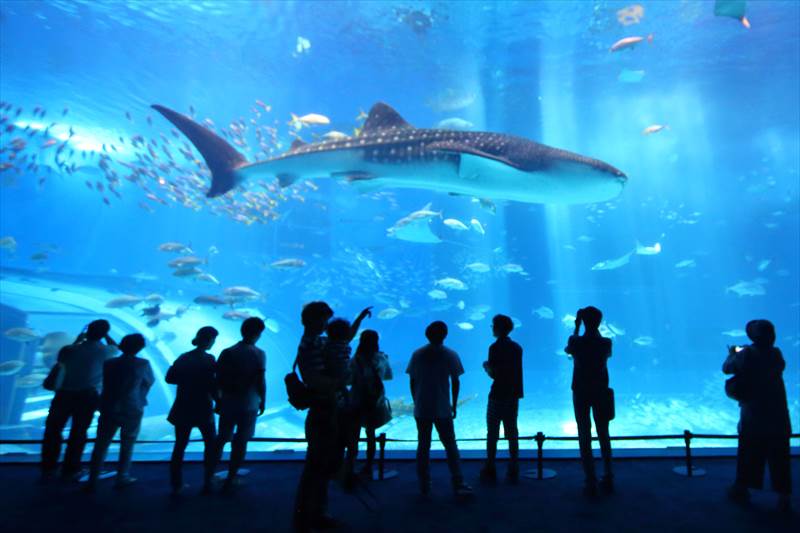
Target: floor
649 497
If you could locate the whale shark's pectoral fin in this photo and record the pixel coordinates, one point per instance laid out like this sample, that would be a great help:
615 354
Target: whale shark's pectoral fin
284 180
364 182
354 175
455 147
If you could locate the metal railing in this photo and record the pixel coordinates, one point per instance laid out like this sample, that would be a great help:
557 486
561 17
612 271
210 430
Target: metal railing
540 438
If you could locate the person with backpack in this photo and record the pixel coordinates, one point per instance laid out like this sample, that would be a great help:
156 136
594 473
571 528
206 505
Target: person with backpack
126 381
242 395
764 424
195 375
368 369
76 397
324 374
590 392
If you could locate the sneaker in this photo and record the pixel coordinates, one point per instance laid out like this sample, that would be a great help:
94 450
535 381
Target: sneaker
739 494
488 475
231 483
326 521
607 484
425 488
349 482
512 474
366 472
47 477
177 490
784 504
124 480
74 477
462 490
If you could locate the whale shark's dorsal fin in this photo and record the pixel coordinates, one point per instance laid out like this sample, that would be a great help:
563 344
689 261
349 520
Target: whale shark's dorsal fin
383 116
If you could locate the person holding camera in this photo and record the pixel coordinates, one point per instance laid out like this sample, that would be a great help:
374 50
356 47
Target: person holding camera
764 425
77 396
590 392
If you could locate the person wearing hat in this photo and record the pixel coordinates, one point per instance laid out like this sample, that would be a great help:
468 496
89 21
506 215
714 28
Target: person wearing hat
195 375
764 425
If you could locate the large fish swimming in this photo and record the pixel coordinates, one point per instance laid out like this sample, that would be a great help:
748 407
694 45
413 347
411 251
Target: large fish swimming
390 152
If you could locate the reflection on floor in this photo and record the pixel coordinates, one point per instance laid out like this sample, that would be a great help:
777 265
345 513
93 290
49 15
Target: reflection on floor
649 497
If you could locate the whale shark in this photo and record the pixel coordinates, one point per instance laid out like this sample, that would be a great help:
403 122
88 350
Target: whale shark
390 152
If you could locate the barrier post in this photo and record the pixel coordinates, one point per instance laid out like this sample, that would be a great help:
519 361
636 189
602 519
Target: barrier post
381 455
383 474
687 439
688 469
540 473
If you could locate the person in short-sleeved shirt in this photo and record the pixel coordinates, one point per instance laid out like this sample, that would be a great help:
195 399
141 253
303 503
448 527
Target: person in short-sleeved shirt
504 366
431 368
505 359
590 353
243 394
126 381
77 398
240 374
194 373
83 364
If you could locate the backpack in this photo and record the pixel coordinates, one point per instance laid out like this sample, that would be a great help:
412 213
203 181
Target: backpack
298 393
736 388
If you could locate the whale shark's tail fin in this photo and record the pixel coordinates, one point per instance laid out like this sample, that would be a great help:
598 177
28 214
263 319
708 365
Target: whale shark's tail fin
222 159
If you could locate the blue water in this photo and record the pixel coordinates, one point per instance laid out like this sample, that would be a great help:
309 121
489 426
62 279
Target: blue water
717 190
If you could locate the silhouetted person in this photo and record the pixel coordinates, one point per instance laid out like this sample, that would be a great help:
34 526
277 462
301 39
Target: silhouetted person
243 395
77 398
195 375
590 352
326 378
764 425
126 382
505 368
431 370
368 369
